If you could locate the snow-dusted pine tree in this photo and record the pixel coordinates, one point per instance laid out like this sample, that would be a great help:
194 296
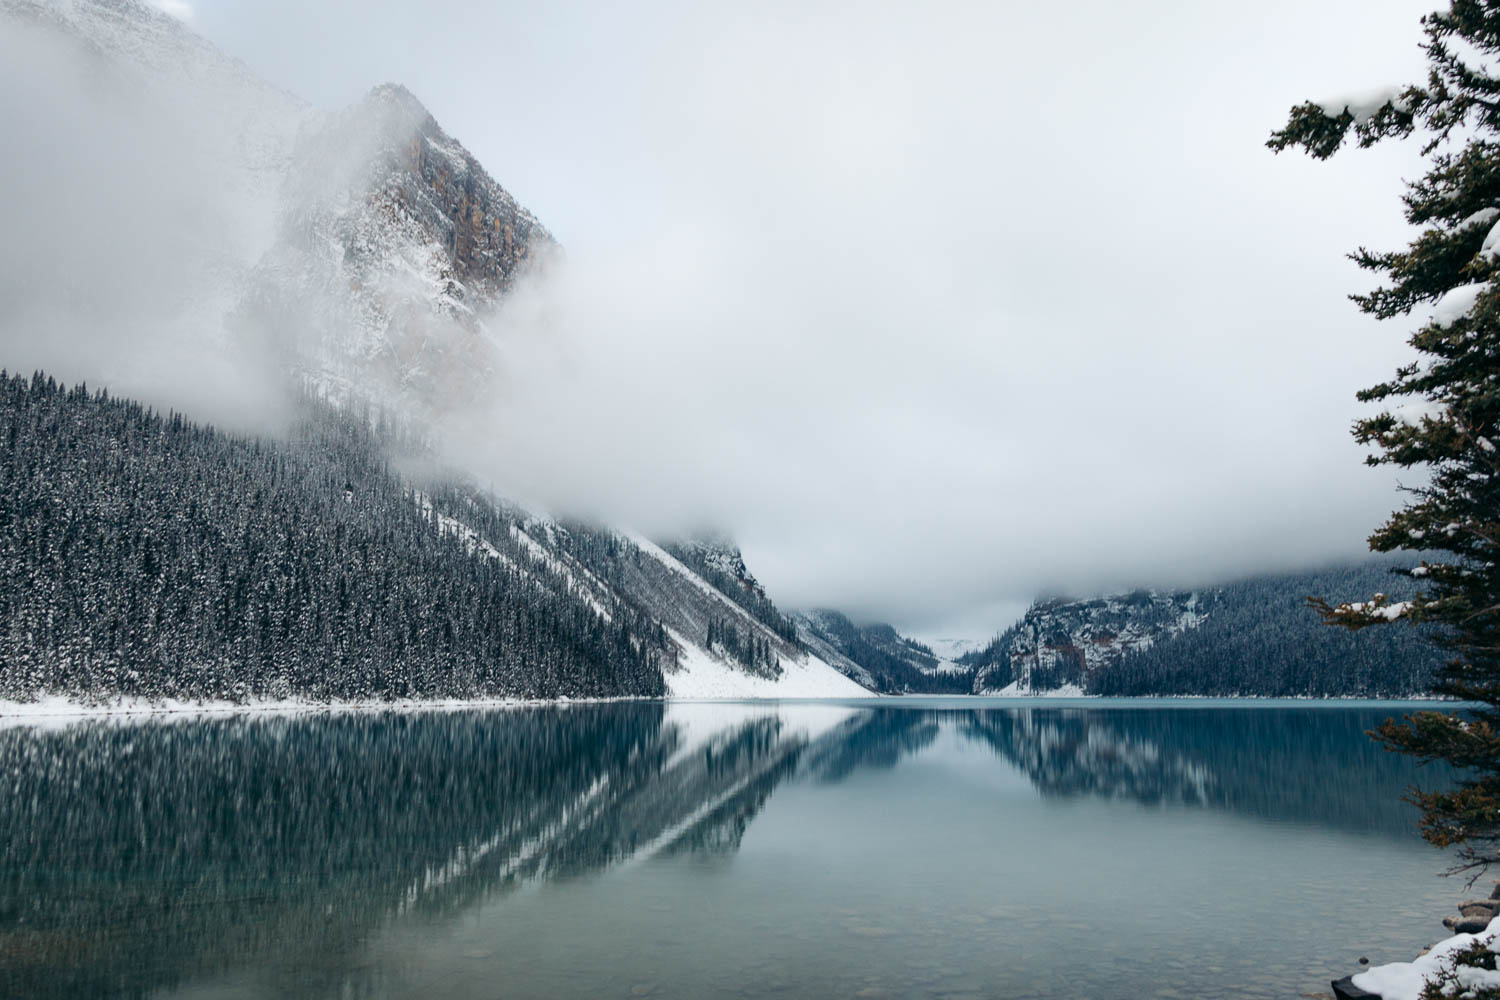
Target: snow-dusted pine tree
1439 413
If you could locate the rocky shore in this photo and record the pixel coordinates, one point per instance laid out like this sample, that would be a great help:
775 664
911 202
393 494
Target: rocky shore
1442 959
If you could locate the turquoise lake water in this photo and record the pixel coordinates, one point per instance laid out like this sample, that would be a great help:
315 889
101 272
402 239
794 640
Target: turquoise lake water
898 848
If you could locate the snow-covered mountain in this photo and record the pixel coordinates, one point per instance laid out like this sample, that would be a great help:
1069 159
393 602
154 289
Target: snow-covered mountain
393 245
950 649
360 250
363 253
1058 646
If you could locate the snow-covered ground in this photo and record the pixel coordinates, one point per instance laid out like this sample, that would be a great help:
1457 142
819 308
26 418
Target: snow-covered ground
1405 980
702 676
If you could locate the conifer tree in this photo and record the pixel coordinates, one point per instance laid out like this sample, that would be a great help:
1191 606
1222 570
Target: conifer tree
1439 413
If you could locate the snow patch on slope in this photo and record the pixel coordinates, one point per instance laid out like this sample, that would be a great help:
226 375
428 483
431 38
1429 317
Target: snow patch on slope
475 543
471 540
580 581
701 675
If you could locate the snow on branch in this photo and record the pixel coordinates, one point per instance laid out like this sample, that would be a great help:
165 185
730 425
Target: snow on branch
1364 106
1378 610
1456 303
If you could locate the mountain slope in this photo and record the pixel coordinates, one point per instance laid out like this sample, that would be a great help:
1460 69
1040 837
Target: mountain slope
723 649
360 254
142 555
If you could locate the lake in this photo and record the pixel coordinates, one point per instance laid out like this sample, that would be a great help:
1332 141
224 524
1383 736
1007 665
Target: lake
894 848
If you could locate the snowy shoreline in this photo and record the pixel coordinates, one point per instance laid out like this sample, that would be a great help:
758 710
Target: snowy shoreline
57 710
54 710
1442 963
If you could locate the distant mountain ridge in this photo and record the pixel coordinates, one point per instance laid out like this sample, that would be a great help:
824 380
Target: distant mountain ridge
1062 644
1249 637
879 657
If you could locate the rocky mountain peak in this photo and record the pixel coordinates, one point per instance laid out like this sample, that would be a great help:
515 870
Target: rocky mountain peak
394 246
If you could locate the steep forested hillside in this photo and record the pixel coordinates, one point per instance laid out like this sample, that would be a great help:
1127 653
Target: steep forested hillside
1252 637
142 554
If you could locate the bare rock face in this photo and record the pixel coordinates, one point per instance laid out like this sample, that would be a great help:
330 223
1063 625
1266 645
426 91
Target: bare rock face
719 554
425 174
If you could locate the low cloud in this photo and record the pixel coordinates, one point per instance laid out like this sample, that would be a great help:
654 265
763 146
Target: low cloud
931 336
124 235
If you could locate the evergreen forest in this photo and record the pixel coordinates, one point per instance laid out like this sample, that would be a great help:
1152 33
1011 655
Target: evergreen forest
142 554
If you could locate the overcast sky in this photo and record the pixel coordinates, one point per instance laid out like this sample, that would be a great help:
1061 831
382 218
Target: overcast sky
934 306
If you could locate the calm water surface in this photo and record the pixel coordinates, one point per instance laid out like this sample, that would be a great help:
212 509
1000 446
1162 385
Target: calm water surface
905 848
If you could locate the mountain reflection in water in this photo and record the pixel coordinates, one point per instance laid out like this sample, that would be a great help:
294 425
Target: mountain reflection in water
137 856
